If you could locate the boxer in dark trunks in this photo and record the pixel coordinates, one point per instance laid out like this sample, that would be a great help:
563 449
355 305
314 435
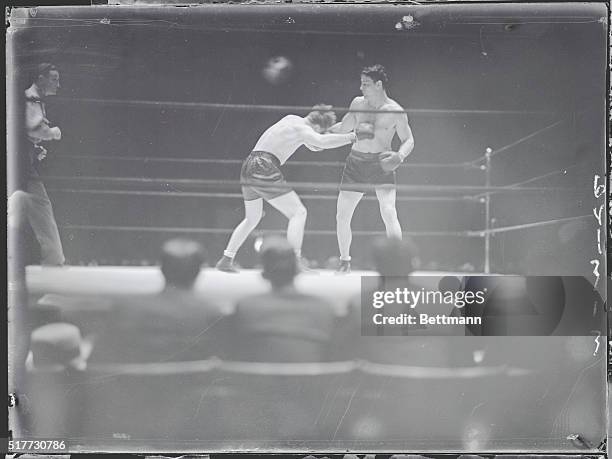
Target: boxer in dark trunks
262 179
371 161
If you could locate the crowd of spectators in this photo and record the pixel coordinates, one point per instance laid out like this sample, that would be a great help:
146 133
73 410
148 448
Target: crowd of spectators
283 324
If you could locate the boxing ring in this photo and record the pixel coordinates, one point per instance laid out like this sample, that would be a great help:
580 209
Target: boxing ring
159 107
297 407
214 191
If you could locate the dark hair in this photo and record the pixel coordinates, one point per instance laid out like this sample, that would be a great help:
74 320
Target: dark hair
44 69
278 260
322 115
377 73
393 257
181 261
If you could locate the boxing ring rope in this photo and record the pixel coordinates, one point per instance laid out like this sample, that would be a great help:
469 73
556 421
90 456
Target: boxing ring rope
486 196
175 229
540 177
489 154
146 159
531 180
298 185
504 229
181 194
284 108
519 141
478 193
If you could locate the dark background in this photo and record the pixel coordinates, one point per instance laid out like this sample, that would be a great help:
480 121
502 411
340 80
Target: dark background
537 63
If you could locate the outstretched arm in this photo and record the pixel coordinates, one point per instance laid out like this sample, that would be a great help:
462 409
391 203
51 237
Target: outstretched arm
349 121
324 141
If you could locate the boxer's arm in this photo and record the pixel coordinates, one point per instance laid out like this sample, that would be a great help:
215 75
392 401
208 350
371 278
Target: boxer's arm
405 134
349 121
37 125
325 141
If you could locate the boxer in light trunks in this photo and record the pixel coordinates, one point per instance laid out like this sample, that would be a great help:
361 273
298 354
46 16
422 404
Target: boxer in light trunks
371 161
262 179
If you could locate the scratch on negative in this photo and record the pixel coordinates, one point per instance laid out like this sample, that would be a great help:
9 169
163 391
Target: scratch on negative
229 98
194 341
475 408
596 341
204 394
579 378
326 404
348 407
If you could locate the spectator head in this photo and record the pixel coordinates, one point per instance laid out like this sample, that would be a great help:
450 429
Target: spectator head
279 261
393 257
60 344
181 261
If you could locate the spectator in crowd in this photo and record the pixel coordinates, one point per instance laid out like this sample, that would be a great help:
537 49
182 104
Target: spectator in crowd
57 360
59 346
177 324
399 344
282 325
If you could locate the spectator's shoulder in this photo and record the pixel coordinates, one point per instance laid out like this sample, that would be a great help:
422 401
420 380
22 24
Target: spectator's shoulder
190 301
316 301
253 300
138 304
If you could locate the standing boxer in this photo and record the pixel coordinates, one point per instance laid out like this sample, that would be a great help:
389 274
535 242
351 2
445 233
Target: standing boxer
371 161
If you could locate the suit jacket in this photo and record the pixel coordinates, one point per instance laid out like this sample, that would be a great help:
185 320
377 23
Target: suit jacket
416 348
175 325
282 326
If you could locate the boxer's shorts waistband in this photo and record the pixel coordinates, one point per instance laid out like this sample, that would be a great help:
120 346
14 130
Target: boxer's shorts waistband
266 155
365 156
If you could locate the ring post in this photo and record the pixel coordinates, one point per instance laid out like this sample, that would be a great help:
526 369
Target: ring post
487 202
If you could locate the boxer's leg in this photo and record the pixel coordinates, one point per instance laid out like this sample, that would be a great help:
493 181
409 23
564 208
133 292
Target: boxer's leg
290 205
386 199
253 211
347 202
